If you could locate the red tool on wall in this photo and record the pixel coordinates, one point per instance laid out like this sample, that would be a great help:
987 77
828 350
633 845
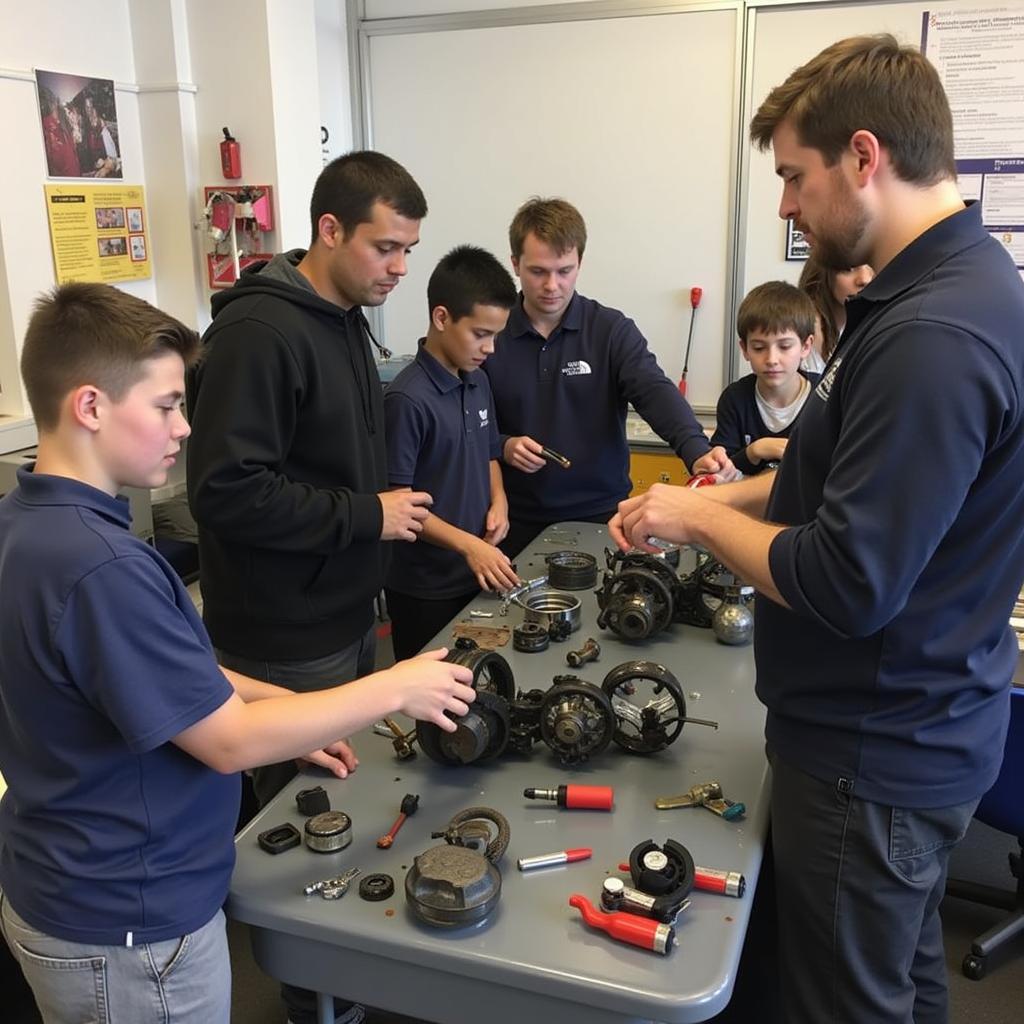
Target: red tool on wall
695 297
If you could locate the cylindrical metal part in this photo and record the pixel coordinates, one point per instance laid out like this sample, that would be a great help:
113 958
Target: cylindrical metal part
543 860
655 860
727 883
616 895
329 832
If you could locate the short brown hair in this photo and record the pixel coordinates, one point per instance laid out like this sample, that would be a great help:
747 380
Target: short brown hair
870 83
94 334
554 221
775 307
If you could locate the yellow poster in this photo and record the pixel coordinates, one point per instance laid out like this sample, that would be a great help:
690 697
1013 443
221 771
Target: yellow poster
98 232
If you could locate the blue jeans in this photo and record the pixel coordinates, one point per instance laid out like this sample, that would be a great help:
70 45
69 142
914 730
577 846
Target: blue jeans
342 666
181 979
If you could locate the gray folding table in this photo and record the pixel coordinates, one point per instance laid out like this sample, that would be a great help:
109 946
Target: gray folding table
533 959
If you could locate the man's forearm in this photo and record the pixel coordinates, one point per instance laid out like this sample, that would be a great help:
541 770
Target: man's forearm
749 495
740 542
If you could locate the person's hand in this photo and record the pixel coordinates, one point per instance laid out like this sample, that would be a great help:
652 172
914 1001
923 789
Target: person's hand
717 463
490 565
496 525
404 511
662 512
427 687
766 449
524 454
338 758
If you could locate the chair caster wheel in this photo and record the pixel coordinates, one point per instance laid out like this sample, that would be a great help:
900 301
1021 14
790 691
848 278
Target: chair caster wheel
973 967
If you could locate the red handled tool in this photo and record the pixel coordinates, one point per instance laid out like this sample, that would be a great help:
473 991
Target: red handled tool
591 798
695 297
408 807
702 480
644 932
726 883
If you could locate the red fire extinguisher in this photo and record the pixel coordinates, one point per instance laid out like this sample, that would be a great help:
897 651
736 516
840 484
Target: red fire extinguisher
230 156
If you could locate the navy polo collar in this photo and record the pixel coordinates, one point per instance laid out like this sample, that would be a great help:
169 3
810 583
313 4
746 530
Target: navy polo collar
441 378
519 325
939 243
44 489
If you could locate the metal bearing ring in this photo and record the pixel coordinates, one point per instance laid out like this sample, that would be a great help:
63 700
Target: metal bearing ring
329 832
571 570
530 637
549 607
376 887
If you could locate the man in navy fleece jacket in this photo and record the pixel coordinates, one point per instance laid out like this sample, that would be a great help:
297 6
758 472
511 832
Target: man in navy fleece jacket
889 547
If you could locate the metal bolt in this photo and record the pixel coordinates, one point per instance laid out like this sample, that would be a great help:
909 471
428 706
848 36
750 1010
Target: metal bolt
590 651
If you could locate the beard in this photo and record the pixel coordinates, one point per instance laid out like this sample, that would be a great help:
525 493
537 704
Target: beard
839 238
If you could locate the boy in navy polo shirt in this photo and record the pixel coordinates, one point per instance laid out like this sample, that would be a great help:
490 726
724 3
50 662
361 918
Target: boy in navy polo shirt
120 738
756 413
442 438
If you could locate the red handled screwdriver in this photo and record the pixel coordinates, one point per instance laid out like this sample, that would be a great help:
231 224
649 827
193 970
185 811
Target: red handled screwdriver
638 931
695 297
591 798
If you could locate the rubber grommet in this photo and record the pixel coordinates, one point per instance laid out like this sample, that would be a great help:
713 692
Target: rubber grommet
376 887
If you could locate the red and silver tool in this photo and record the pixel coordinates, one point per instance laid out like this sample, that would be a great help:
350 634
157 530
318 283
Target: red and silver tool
695 297
644 932
701 480
725 883
545 860
408 807
591 798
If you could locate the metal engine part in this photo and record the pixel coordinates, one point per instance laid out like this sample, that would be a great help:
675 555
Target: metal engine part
530 638
452 885
571 570
637 595
553 610
576 719
483 732
733 620
645 728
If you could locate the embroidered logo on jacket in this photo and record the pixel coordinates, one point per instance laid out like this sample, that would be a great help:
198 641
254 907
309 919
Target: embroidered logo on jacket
824 388
576 368
483 417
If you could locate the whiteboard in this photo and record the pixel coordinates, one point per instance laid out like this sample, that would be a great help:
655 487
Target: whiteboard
780 40
632 119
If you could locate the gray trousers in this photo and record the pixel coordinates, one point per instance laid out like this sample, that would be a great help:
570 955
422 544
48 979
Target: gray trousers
342 666
858 887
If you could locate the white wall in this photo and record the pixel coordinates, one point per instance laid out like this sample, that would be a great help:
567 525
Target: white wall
29 40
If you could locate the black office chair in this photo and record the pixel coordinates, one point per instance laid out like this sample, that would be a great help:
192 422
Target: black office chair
1002 807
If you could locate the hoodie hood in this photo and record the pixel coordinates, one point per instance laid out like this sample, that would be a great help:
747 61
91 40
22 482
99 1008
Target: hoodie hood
280 277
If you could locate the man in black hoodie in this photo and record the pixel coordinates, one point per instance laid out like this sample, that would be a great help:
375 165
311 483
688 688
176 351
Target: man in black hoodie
287 469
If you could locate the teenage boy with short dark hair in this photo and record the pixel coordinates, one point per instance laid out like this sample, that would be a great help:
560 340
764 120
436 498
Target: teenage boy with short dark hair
121 739
756 413
442 438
